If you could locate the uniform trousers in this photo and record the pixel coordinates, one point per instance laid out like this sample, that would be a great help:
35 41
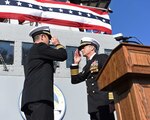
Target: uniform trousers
103 113
40 111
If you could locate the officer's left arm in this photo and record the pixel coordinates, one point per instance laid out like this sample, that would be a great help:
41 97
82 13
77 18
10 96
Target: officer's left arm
104 58
76 76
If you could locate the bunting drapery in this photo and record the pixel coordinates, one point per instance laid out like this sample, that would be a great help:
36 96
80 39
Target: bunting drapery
58 13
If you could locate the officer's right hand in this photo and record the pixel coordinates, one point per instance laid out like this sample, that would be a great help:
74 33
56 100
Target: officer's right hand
77 57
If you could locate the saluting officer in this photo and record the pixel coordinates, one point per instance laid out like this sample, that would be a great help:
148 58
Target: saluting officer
98 102
37 95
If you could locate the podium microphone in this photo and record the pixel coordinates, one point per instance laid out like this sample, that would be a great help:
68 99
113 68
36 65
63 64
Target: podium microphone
120 37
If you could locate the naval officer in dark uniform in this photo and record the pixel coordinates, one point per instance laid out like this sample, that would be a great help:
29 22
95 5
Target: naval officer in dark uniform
98 103
37 95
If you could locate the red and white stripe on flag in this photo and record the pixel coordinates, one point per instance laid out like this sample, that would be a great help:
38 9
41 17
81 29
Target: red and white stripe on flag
58 13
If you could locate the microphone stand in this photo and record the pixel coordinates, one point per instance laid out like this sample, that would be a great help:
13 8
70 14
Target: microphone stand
131 41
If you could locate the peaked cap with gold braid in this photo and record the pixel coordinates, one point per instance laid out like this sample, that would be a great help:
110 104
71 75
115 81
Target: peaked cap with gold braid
40 30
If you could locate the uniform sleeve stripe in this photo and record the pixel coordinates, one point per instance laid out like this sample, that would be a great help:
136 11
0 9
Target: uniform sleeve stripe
59 46
74 71
110 96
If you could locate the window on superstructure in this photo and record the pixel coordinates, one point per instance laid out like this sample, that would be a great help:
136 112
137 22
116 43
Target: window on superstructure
70 54
25 50
6 52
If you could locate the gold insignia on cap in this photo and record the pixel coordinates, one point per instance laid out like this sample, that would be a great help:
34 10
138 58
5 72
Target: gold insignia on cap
46 32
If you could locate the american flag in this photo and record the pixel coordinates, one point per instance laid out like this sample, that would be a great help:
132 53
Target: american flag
58 13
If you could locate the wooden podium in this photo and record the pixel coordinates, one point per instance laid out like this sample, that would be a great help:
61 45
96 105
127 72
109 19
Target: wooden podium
127 74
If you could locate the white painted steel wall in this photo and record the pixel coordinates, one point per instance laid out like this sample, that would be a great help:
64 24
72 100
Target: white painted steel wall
11 82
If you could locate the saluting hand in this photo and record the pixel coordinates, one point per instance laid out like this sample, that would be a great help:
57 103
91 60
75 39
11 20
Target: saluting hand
77 57
54 41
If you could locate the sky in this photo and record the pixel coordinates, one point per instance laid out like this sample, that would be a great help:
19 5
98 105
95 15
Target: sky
131 18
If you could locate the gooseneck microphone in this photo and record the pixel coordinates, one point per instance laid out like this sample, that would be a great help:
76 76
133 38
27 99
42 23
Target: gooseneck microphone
121 38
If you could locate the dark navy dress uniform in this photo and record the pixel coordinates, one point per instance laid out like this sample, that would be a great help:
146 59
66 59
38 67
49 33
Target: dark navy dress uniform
39 70
97 100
